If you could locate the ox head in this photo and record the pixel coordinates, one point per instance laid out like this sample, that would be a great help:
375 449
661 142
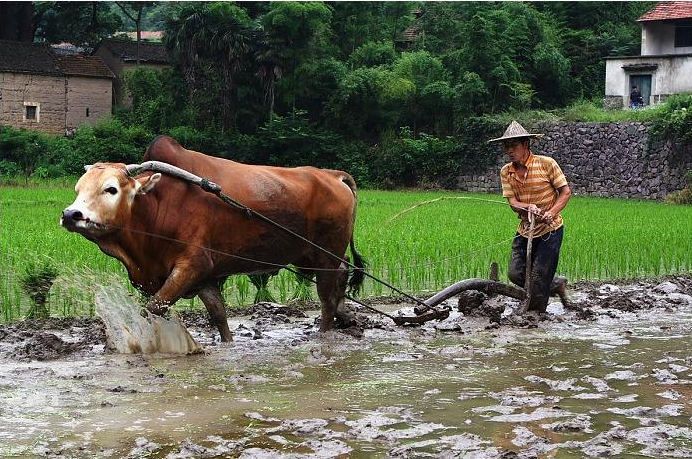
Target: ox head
105 194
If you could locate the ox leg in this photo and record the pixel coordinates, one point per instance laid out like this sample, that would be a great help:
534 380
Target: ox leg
213 300
331 288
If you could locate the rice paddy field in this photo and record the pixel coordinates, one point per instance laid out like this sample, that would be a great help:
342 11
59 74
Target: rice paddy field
421 250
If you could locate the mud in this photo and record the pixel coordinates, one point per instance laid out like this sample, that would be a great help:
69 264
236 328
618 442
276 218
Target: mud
608 376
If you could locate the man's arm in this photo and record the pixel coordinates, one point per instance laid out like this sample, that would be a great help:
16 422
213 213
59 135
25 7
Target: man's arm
563 195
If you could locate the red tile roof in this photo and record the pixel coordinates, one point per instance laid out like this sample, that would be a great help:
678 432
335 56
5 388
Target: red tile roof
668 10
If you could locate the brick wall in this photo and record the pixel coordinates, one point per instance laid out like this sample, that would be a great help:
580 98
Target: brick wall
87 93
48 92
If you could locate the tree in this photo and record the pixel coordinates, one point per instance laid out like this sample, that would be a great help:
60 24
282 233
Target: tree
423 69
181 40
80 23
269 68
373 53
320 77
230 38
18 21
355 106
135 16
292 27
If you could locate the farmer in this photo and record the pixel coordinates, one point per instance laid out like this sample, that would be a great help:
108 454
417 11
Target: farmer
535 186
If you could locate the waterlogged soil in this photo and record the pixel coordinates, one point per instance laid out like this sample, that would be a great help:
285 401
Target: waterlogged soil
610 376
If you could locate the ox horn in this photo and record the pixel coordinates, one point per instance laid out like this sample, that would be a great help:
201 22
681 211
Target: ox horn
133 169
88 167
173 171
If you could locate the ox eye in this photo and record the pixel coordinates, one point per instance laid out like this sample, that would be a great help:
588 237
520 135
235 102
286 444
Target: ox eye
111 190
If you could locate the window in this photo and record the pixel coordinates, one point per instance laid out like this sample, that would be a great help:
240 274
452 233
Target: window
31 112
683 34
87 112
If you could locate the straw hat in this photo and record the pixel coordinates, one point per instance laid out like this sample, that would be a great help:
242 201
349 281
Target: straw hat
515 131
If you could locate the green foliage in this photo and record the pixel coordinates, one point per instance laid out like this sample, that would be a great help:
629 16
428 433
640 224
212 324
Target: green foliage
675 121
36 282
33 154
80 23
593 111
158 100
355 107
372 54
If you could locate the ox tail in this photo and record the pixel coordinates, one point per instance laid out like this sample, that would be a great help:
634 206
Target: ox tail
357 277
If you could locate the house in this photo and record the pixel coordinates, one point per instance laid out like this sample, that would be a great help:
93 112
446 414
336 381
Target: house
42 91
121 55
665 64
412 33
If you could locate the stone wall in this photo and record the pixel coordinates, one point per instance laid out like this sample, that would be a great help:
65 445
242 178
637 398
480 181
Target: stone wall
601 159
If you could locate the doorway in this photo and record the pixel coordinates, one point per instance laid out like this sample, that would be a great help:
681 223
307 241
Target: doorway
643 82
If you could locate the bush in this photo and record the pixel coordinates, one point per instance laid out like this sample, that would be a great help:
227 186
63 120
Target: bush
21 150
675 120
210 141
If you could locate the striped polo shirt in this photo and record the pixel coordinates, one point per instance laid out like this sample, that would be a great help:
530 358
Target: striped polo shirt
543 178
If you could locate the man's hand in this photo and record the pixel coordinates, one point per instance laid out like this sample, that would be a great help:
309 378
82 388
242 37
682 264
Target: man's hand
534 209
548 216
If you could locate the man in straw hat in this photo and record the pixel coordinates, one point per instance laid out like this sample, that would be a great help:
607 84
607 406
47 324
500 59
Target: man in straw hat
536 189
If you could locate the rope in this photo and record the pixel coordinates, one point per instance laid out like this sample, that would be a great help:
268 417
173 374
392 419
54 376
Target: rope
306 268
395 216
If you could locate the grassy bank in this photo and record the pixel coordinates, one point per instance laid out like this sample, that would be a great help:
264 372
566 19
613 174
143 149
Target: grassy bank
422 250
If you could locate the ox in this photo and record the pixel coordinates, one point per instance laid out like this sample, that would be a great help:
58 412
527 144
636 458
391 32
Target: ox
178 241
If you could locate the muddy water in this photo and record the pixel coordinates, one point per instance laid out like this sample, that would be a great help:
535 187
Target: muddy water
617 385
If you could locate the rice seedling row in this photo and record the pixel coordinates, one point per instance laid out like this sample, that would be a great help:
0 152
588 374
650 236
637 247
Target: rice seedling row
420 251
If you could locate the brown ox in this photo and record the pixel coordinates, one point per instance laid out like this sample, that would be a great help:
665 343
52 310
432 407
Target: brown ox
178 241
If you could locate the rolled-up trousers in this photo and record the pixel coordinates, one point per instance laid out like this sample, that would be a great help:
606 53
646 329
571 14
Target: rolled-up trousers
545 252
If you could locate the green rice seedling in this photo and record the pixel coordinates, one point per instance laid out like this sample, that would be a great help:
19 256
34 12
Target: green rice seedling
419 251
36 283
303 293
260 281
241 286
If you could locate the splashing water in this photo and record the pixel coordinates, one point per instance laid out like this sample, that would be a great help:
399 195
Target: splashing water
128 331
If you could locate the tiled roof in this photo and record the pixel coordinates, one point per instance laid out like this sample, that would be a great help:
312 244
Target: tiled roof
127 51
411 33
20 57
84 66
668 10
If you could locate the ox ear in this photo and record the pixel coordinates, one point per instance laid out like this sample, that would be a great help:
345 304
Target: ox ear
145 185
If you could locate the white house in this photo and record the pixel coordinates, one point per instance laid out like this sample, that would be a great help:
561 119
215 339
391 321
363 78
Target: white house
665 64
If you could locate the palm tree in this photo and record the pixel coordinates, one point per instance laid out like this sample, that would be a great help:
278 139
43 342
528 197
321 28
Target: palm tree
269 67
182 40
230 39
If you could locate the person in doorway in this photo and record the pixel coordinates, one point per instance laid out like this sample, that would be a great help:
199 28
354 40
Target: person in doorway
534 185
636 99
